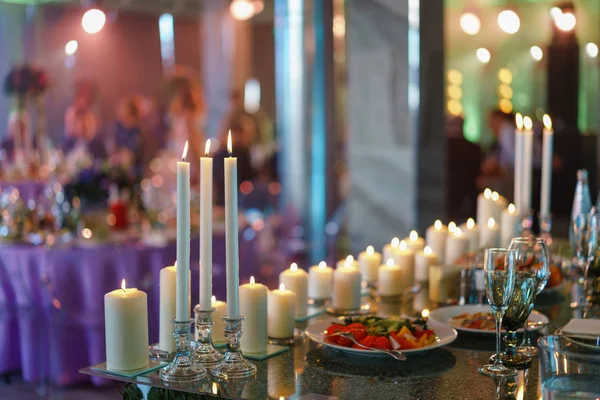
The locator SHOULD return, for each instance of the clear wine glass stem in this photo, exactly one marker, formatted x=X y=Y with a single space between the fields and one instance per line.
x=526 y=341
x=498 y=315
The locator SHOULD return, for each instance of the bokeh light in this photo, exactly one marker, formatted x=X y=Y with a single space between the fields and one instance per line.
x=536 y=53
x=470 y=23
x=592 y=50
x=71 y=47
x=93 y=20
x=509 y=21
x=483 y=55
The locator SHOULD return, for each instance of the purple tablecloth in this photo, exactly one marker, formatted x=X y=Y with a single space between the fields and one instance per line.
x=52 y=300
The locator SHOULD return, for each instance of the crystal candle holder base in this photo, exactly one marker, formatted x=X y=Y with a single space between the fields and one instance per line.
x=182 y=369
x=233 y=365
x=204 y=353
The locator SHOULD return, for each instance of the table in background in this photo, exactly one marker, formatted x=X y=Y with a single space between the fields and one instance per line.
x=52 y=299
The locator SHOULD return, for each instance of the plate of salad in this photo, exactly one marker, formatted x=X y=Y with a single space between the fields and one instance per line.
x=408 y=335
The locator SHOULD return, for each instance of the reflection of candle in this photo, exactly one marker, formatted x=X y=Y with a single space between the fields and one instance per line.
x=281 y=377
x=218 y=332
x=392 y=279
x=231 y=223
x=320 y=281
x=296 y=280
x=253 y=306
x=489 y=234
x=435 y=237
x=346 y=288
x=518 y=167
x=527 y=165
x=183 y=236
x=389 y=250
x=471 y=232
x=414 y=242
x=369 y=262
x=457 y=245
x=423 y=260
x=281 y=313
x=509 y=227
x=126 y=324
x=206 y=186
x=546 y=166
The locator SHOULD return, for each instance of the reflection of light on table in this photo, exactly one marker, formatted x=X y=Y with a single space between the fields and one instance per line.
x=281 y=380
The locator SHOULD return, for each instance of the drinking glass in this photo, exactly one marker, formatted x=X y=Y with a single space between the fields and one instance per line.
x=584 y=235
x=499 y=269
x=532 y=263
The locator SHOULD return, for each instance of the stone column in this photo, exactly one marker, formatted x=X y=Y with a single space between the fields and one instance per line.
x=395 y=148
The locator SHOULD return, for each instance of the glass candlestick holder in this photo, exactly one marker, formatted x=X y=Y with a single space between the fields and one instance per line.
x=204 y=354
x=233 y=365
x=182 y=369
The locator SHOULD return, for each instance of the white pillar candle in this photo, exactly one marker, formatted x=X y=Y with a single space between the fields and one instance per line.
x=346 y=288
x=218 y=331
x=471 y=231
x=390 y=249
x=518 y=166
x=183 y=236
x=349 y=261
x=368 y=262
x=435 y=237
x=509 y=226
x=489 y=234
x=444 y=282
x=485 y=207
x=423 y=260
x=281 y=313
x=547 y=166
x=253 y=306
x=405 y=259
x=231 y=223
x=126 y=325
x=414 y=242
x=206 y=186
x=167 y=301
x=320 y=281
x=527 y=165
x=457 y=245
x=296 y=280
x=392 y=279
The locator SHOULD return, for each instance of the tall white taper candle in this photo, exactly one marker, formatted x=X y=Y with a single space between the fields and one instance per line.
x=182 y=312
x=231 y=222
x=527 y=165
x=206 y=186
x=547 y=166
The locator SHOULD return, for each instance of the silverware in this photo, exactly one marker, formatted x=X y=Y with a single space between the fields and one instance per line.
x=397 y=354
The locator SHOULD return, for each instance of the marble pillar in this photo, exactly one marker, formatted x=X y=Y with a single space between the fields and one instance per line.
x=395 y=148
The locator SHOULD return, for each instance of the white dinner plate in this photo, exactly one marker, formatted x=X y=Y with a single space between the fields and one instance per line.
x=445 y=336
x=444 y=315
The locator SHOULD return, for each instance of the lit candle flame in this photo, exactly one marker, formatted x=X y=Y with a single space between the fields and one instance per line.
x=491 y=223
x=229 y=145
x=395 y=242
x=547 y=122
x=527 y=123
x=458 y=232
x=281 y=287
x=123 y=285
x=213 y=300
x=487 y=193
x=349 y=261
x=519 y=121
x=294 y=267
x=427 y=250
x=451 y=226
x=185 y=150
x=425 y=313
x=403 y=245
x=322 y=265
x=207 y=148
x=495 y=196
x=252 y=281
x=437 y=225
x=413 y=235
x=370 y=250
x=390 y=262
x=511 y=208
x=214 y=388
x=470 y=223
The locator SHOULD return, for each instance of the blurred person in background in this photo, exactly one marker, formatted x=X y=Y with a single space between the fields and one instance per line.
x=500 y=158
x=129 y=134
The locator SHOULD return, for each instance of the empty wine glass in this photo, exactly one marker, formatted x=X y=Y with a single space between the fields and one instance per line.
x=499 y=269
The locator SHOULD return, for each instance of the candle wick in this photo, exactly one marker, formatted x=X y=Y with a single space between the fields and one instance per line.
x=124 y=291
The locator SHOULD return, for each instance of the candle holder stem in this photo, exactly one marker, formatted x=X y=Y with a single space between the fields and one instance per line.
x=233 y=365
x=204 y=354
x=182 y=369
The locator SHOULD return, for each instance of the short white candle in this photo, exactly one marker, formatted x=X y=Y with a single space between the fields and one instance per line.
x=349 y=261
x=435 y=237
x=405 y=259
x=489 y=234
x=390 y=249
x=167 y=301
x=346 y=288
x=183 y=237
x=369 y=262
x=471 y=231
x=444 y=282
x=423 y=260
x=547 y=151
x=218 y=332
x=510 y=224
x=281 y=313
x=253 y=306
x=126 y=329
x=414 y=242
x=457 y=245
x=392 y=279
x=320 y=281
x=296 y=280
x=485 y=207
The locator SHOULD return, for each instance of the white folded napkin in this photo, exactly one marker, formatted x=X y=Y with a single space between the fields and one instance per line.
x=578 y=326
